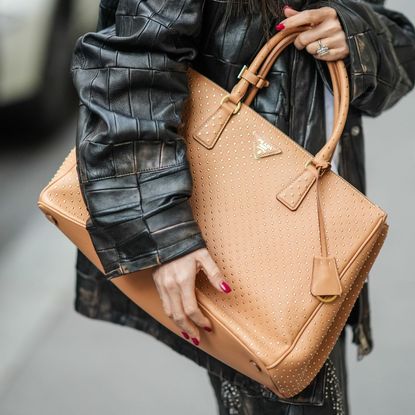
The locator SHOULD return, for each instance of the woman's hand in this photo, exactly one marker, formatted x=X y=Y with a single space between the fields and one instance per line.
x=324 y=26
x=175 y=282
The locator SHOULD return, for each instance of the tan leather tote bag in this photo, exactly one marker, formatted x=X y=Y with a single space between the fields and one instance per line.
x=295 y=240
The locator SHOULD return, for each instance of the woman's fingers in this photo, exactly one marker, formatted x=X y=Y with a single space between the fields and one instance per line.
x=212 y=271
x=180 y=316
x=324 y=26
x=333 y=55
x=170 y=295
x=175 y=282
x=333 y=42
x=338 y=48
x=309 y=17
x=164 y=296
x=289 y=11
x=191 y=307
x=327 y=29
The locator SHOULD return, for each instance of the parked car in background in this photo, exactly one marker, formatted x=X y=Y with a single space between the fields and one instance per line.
x=36 y=42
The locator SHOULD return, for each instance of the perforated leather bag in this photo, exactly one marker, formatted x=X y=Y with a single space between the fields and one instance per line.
x=295 y=240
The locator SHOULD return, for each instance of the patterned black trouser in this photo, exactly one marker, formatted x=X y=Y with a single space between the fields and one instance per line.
x=234 y=399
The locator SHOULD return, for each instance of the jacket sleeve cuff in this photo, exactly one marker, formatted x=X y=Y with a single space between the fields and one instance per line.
x=144 y=240
x=177 y=249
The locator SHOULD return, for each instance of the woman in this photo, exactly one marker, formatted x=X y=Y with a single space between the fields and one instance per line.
x=131 y=79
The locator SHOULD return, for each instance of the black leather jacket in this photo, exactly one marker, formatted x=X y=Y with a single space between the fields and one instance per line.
x=131 y=79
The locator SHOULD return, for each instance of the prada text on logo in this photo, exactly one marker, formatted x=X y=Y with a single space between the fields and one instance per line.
x=264 y=147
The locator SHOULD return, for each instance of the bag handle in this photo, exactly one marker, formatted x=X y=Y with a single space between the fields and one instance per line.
x=262 y=64
x=255 y=76
x=266 y=66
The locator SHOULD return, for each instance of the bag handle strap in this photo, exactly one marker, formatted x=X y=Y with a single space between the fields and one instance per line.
x=266 y=66
x=262 y=64
x=255 y=76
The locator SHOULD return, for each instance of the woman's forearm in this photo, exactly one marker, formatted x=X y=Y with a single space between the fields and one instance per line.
x=131 y=78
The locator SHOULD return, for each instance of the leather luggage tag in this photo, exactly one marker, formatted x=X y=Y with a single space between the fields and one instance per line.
x=325 y=277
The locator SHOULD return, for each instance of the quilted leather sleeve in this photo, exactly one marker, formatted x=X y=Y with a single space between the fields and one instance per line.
x=134 y=175
x=381 y=63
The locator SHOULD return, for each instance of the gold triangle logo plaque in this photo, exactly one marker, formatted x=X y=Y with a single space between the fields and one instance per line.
x=264 y=148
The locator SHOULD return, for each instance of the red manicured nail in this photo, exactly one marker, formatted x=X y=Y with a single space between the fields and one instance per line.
x=195 y=341
x=279 y=26
x=207 y=328
x=225 y=287
x=185 y=335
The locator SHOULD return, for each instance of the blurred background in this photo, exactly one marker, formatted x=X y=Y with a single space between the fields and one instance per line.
x=52 y=360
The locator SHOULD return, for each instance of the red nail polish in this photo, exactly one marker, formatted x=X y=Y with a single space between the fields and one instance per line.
x=185 y=335
x=279 y=26
x=207 y=328
x=225 y=287
x=195 y=341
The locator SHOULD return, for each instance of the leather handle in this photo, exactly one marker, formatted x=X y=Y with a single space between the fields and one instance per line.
x=263 y=62
x=267 y=65
x=254 y=76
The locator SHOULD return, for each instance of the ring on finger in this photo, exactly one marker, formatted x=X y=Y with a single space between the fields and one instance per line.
x=322 y=48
